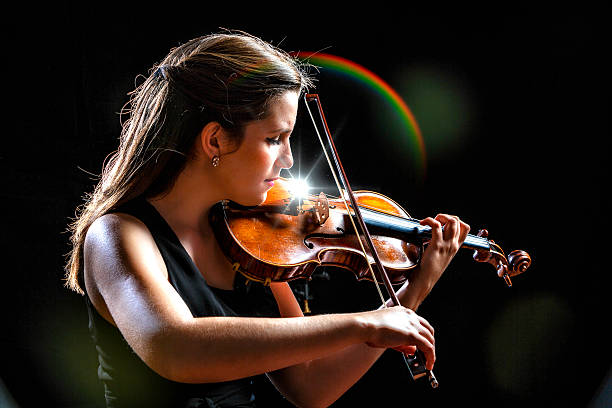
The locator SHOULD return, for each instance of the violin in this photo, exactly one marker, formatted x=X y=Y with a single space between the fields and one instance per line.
x=287 y=237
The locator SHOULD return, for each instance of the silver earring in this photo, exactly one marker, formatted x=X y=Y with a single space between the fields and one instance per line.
x=215 y=161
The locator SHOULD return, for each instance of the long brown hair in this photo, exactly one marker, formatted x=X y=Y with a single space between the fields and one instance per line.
x=229 y=78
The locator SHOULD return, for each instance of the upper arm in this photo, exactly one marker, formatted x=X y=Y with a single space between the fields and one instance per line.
x=127 y=282
x=288 y=305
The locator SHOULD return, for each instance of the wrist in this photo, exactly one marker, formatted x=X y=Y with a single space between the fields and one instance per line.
x=363 y=326
x=412 y=294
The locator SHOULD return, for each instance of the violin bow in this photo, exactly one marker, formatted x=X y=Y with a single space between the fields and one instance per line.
x=416 y=362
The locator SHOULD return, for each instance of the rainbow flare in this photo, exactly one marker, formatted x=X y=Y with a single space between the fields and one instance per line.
x=373 y=81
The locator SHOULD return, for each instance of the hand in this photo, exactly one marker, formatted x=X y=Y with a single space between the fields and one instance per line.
x=403 y=330
x=447 y=235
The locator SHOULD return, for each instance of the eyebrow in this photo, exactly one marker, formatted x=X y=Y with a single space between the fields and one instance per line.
x=282 y=130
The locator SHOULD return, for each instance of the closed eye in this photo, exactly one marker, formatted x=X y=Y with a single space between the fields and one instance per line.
x=274 y=140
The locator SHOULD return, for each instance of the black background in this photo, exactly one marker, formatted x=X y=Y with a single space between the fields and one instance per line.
x=514 y=113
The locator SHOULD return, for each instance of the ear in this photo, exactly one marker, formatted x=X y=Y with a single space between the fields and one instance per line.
x=211 y=137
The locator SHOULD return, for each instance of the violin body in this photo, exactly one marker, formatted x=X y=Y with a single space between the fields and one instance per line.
x=286 y=238
x=270 y=244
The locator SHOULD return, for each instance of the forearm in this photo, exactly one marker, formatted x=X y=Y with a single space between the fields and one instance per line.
x=322 y=381
x=412 y=294
x=448 y=234
x=214 y=349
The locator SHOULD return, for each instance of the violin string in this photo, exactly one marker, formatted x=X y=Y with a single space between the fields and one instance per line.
x=342 y=195
x=414 y=225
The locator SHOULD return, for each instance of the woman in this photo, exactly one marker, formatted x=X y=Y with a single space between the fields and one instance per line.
x=173 y=323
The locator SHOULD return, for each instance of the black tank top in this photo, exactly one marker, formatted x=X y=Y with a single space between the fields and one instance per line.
x=128 y=382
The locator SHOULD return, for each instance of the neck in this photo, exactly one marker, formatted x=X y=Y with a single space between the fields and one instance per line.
x=409 y=229
x=186 y=205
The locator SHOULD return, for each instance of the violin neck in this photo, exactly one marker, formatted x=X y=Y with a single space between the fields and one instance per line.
x=410 y=229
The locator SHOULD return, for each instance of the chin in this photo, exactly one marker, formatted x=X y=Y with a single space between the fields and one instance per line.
x=253 y=200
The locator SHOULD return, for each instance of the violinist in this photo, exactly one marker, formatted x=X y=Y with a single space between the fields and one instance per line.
x=173 y=324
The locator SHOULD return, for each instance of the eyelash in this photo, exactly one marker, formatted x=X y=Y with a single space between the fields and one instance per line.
x=274 y=141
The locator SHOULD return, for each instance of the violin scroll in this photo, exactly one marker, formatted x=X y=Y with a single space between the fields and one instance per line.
x=514 y=264
x=518 y=261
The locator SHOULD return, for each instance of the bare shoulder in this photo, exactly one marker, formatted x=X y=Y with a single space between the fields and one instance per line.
x=118 y=248
x=114 y=226
x=120 y=240
x=119 y=235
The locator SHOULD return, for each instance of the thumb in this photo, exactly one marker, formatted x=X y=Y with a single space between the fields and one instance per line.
x=408 y=350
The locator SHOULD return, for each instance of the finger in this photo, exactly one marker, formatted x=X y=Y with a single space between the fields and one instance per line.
x=436 y=228
x=465 y=230
x=451 y=226
x=409 y=350
x=444 y=218
x=457 y=235
x=463 y=226
x=428 y=350
x=423 y=331
x=427 y=325
x=424 y=328
x=452 y=230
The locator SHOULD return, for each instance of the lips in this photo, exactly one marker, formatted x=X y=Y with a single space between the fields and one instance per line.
x=272 y=179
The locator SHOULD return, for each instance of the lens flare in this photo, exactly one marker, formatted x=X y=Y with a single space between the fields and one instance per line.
x=373 y=81
x=298 y=188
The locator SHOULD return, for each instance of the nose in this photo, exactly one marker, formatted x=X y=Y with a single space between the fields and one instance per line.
x=285 y=160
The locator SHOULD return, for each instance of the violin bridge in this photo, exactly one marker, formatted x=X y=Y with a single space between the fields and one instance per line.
x=321 y=209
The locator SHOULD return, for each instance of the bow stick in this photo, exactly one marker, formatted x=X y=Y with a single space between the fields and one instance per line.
x=416 y=362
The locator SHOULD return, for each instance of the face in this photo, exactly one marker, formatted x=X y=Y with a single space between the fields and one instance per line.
x=250 y=171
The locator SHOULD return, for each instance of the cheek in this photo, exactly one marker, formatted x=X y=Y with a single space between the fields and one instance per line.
x=263 y=160
x=252 y=166
x=253 y=162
